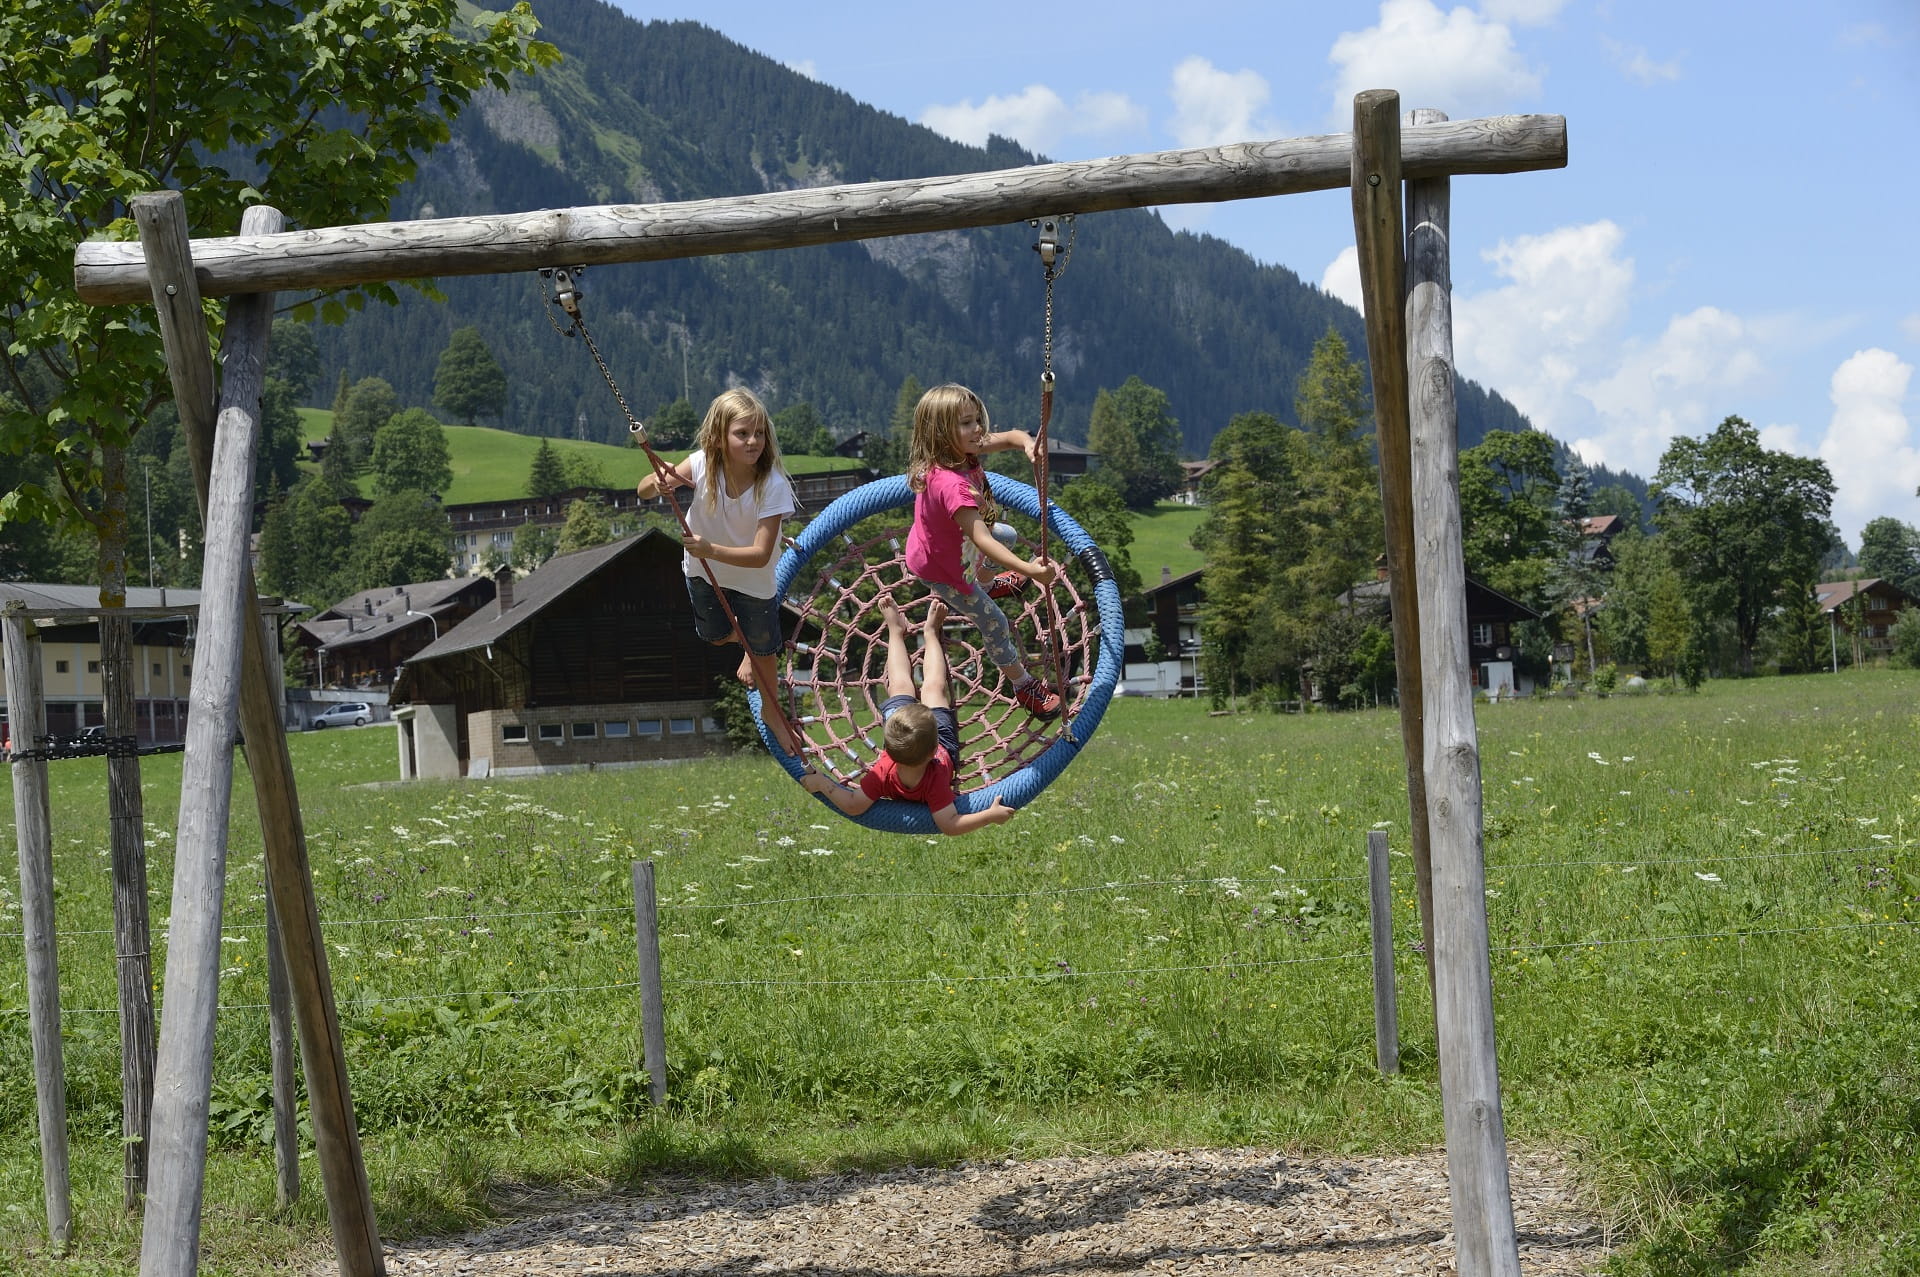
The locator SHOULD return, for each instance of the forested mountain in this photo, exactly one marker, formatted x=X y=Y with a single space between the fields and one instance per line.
x=645 y=112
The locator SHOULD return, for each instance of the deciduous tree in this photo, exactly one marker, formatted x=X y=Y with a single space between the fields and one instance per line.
x=469 y=382
x=410 y=454
x=1742 y=522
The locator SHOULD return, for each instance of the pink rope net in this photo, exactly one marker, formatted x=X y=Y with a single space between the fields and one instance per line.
x=836 y=683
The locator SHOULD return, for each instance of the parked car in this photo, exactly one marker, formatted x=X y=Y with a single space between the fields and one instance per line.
x=358 y=713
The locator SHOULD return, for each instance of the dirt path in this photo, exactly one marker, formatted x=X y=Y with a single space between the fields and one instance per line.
x=1231 y=1211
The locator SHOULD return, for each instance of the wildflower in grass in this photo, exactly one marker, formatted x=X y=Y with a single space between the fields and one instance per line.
x=818 y=851
x=1596 y=758
x=821 y=827
x=1706 y=877
x=1626 y=793
x=783 y=841
x=1115 y=838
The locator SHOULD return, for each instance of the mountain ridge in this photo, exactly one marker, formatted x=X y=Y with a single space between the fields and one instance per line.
x=651 y=112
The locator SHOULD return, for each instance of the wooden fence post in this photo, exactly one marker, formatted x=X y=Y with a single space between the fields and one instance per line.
x=1386 y=1007
x=1376 y=227
x=33 y=834
x=280 y=1044
x=170 y=1240
x=1484 y=1241
x=653 y=1020
x=167 y=253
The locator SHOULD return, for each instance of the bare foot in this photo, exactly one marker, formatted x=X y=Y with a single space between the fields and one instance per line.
x=936 y=615
x=745 y=672
x=890 y=612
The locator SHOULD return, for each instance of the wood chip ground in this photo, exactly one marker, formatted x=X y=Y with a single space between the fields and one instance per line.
x=1221 y=1211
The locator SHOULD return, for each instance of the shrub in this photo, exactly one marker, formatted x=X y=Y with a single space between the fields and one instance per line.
x=1606 y=678
x=1906 y=638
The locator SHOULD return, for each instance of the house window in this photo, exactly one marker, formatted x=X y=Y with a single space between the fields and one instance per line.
x=513 y=733
x=186 y=669
x=650 y=727
x=1482 y=634
x=156 y=667
x=680 y=726
x=59 y=667
x=1876 y=604
x=93 y=667
x=585 y=731
x=551 y=731
x=614 y=729
x=709 y=724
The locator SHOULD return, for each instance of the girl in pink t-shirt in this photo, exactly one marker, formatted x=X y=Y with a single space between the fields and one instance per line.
x=953 y=508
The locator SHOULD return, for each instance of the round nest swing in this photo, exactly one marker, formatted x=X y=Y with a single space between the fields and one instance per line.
x=833 y=676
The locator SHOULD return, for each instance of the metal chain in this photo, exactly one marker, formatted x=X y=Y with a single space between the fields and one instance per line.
x=566 y=297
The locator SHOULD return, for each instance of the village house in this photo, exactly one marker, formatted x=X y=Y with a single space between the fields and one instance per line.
x=1860 y=615
x=588 y=661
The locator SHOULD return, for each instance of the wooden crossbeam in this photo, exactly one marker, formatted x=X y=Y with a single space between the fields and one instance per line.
x=340 y=256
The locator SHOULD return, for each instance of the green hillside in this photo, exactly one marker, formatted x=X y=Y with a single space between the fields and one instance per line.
x=669 y=111
x=1161 y=538
x=490 y=465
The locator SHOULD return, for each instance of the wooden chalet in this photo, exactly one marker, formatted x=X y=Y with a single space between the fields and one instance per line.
x=591 y=660
x=361 y=642
x=1491 y=645
x=1879 y=604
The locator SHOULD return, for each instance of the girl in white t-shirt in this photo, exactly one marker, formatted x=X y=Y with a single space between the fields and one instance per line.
x=739 y=496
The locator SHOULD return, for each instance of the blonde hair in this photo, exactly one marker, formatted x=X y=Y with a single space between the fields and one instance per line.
x=911 y=735
x=936 y=439
x=728 y=407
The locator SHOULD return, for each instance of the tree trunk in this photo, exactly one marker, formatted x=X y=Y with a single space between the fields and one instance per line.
x=127 y=833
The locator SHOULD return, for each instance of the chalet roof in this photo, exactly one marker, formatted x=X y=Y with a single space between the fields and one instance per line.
x=539 y=588
x=373 y=615
x=1601 y=525
x=1834 y=594
x=1480 y=599
x=82 y=602
x=1174 y=583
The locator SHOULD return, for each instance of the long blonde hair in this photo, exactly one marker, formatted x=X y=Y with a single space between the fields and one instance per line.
x=728 y=407
x=936 y=439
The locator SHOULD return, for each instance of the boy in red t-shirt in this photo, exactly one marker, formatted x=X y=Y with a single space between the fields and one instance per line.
x=922 y=736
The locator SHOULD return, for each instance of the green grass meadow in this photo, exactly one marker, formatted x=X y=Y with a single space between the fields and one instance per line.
x=490 y=465
x=1706 y=986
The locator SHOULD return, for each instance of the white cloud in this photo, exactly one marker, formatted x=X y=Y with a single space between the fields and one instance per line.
x=1638 y=65
x=1212 y=107
x=1342 y=278
x=1684 y=382
x=1522 y=13
x=1036 y=117
x=1537 y=337
x=1870 y=445
x=811 y=69
x=1459 y=61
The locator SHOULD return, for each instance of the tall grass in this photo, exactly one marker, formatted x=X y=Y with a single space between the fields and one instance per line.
x=1703 y=977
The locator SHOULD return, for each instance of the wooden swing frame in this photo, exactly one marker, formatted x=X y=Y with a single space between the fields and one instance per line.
x=1406 y=285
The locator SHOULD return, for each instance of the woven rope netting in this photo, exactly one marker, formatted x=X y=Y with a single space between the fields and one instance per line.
x=834 y=676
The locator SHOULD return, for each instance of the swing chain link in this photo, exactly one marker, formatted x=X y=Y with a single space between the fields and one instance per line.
x=1053 y=257
x=565 y=296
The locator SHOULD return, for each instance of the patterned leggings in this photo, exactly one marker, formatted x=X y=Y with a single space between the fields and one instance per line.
x=996 y=635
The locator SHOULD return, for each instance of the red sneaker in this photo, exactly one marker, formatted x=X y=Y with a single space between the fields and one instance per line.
x=1006 y=585
x=1039 y=700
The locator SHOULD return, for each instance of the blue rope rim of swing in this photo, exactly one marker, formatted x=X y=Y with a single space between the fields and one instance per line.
x=1024 y=785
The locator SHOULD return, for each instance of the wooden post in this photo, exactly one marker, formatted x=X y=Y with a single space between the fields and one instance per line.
x=170 y=1240
x=286 y=1117
x=1376 y=224
x=176 y=297
x=1386 y=1007
x=33 y=835
x=332 y=256
x=1484 y=1240
x=653 y=1020
x=133 y=946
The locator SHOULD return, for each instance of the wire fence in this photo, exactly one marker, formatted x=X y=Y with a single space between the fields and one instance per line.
x=1234 y=886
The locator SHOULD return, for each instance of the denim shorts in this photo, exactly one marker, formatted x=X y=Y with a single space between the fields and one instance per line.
x=759 y=618
x=946 y=724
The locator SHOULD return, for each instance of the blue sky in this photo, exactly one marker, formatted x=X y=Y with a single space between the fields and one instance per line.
x=1733 y=233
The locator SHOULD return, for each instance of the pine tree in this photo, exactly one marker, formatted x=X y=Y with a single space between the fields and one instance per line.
x=547 y=477
x=469 y=383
